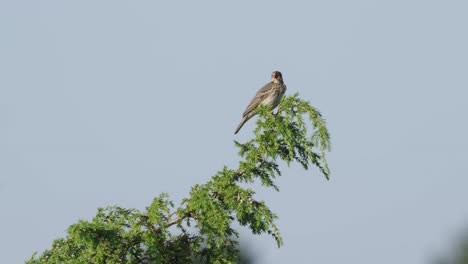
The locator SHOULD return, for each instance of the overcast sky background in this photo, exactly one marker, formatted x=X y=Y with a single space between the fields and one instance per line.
x=114 y=102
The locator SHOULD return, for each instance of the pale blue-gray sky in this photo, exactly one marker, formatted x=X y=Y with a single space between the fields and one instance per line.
x=114 y=102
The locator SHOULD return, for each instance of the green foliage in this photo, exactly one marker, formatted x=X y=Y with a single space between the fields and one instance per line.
x=200 y=229
x=458 y=253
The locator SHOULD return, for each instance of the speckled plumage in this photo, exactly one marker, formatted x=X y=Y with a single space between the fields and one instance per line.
x=270 y=94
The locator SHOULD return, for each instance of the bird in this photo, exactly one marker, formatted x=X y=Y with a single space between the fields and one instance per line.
x=270 y=95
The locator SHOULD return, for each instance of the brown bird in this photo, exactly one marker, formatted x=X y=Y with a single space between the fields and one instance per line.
x=270 y=95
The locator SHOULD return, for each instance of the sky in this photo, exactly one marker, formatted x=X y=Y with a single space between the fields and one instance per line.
x=113 y=102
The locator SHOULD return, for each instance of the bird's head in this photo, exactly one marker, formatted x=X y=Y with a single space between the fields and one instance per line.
x=277 y=77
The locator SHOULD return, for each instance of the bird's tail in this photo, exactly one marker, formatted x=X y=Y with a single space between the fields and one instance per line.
x=244 y=119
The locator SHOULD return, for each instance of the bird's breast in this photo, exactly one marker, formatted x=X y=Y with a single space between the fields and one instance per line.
x=270 y=99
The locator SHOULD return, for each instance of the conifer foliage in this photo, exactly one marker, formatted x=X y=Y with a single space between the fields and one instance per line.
x=200 y=229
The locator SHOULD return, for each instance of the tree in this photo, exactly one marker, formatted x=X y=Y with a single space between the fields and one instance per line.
x=200 y=230
x=458 y=253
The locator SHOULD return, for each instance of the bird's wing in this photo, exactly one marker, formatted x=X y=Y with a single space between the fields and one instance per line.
x=263 y=93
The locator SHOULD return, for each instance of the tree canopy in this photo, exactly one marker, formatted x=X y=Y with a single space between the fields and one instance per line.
x=200 y=229
x=458 y=253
